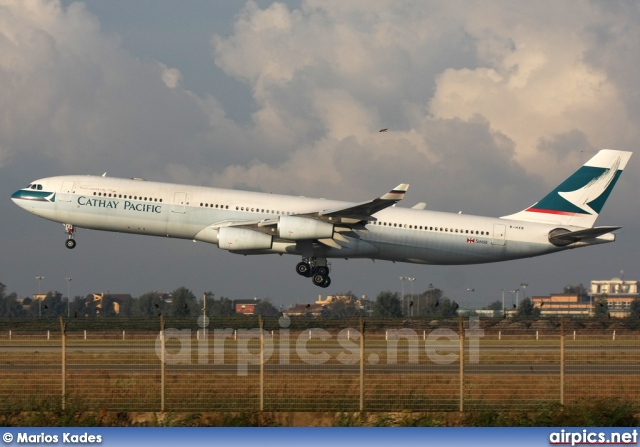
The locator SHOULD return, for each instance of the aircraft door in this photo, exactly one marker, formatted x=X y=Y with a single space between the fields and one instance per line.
x=499 y=231
x=65 y=192
x=179 y=202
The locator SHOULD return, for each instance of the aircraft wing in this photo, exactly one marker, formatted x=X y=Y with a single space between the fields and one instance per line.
x=569 y=237
x=348 y=215
x=344 y=220
x=364 y=210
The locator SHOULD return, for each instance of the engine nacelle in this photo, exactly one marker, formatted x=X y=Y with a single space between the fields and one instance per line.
x=230 y=238
x=559 y=242
x=301 y=228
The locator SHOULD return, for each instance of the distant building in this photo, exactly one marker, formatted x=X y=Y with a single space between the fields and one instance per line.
x=618 y=293
x=304 y=310
x=569 y=304
x=362 y=303
x=97 y=300
x=614 y=286
x=165 y=297
x=315 y=310
x=245 y=307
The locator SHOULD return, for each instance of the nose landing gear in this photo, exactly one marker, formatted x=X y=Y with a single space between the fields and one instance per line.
x=315 y=268
x=70 y=243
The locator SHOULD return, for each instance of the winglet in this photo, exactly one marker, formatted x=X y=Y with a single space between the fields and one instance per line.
x=396 y=193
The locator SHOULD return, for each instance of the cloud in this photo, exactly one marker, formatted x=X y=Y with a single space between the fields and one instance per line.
x=329 y=71
x=72 y=94
x=458 y=85
x=171 y=77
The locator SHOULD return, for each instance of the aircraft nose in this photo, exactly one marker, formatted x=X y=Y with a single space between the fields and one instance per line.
x=20 y=198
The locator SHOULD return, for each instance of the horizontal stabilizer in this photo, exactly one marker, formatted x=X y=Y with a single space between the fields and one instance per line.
x=561 y=237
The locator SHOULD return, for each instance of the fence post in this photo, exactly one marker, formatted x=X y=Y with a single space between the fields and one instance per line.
x=63 y=329
x=361 y=365
x=461 y=365
x=261 y=324
x=162 y=363
x=561 y=360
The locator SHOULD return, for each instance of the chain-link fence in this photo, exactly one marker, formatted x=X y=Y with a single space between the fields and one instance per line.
x=281 y=364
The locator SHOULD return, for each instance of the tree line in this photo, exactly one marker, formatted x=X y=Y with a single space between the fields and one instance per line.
x=182 y=303
x=432 y=303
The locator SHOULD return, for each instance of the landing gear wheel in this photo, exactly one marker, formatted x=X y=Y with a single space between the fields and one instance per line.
x=319 y=279
x=70 y=230
x=327 y=283
x=304 y=269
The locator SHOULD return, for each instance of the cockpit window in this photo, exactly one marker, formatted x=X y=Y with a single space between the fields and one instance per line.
x=34 y=186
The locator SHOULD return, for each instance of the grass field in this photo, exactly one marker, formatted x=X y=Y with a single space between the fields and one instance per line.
x=305 y=372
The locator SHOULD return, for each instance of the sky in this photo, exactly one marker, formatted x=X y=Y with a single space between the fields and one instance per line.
x=489 y=105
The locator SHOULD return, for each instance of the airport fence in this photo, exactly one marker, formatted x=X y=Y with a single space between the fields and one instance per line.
x=290 y=365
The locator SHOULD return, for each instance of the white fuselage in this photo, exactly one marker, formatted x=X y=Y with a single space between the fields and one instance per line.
x=191 y=212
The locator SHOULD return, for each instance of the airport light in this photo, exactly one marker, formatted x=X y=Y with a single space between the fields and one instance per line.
x=411 y=280
x=39 y=278
x=402 y=278
x=68 y=296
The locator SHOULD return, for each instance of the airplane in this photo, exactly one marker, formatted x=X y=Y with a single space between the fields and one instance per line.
x=251 y=223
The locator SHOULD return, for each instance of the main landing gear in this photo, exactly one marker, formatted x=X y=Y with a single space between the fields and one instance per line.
x=70 y=243
x=316 y=269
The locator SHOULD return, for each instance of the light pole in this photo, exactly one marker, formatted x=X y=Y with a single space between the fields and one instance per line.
x=503 y=314
x=524 y=290
x=39 y=278
x=68 y=296
x=512 y=292
x=411 y=280
x=402 y=278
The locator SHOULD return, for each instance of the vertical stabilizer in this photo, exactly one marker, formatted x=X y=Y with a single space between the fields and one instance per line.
x=579 y=199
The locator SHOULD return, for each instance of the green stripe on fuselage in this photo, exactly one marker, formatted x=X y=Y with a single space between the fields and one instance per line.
x=38 y=196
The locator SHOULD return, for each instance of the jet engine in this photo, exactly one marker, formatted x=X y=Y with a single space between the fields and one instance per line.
x=301 y=228
x=230 y=238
